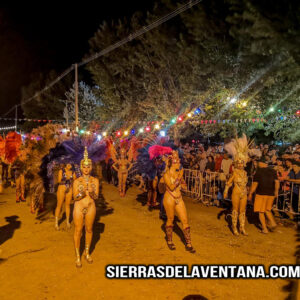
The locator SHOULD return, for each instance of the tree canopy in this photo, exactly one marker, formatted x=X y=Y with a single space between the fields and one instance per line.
x=232 y=59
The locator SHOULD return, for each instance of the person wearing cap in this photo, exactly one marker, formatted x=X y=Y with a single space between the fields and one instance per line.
x=266 y=185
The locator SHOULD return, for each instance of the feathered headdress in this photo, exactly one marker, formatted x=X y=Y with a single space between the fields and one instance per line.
x=86 y=161
x=147 y=162
x=238 y=148
x=158 y=150
x=13 y=142
x=73 y=152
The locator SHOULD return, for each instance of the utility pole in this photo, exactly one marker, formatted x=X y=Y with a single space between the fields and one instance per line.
x=67 y=115
x=66 y=112
x=76 y=97
x=16 y=118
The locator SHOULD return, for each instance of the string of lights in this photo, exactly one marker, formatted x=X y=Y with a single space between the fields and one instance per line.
x=162 y=128
x=7 y=128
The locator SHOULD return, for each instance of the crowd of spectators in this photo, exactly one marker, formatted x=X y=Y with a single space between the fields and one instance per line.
x=286 y=163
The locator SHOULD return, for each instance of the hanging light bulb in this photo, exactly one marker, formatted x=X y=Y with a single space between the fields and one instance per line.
x=162 y=133
x=157 y=126
x=141 y=130
x=189 y=115
x=233 y=100
x=104 y=133
x=148 y=128
x=126 y=133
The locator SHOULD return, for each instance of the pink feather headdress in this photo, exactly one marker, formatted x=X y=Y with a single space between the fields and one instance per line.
x=157 y=150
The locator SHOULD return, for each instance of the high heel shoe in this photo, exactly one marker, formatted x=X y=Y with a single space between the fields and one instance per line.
x=87 y=255
x=169 y=231
x=68 y=225
x=56 y=223
x=242 y=218
x=187 y=236
x=234 y=222
x=78 y=261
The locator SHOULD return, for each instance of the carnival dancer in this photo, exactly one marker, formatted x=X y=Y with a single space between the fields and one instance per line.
x=173 y=201
x=123 y=164
x=238 y=148
x=85 y=192
x=66 y=176
x=18 y=167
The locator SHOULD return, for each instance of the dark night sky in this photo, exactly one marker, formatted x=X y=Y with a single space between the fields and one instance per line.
x=49 y=36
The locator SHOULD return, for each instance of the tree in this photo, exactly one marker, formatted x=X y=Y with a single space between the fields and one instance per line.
x=230 y=58
x=88 y=104
x=47 y=105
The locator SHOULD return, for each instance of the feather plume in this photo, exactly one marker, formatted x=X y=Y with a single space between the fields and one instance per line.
x=157 y=150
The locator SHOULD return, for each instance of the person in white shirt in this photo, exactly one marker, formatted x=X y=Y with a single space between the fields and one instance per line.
x=226 y=164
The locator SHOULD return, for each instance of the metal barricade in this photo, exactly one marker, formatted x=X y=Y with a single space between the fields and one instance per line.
x=203 y=186
x=211 y=186
x=194 y=181
x=208 y=187
x=288 y=200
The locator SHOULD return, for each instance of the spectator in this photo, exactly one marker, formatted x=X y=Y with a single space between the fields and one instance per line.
x=203 y=162
x=266 y=185
x=210 y=163
x=226 y=164
x=289 y=165
x=218 y=161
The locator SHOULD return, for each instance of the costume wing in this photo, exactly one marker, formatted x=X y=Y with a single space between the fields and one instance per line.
x=133 y=150
x=2 y=147
x=13 y=142
x=112 y=151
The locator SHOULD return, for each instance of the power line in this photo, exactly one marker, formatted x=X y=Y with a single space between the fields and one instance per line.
x=110 y=48
x=65 y=73
x=141 y=31
x=8 y=111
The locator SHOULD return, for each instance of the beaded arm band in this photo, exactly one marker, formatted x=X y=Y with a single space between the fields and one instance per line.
x=93 y=195
x=80 y=196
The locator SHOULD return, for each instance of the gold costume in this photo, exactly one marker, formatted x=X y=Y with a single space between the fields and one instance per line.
x=238 y=148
